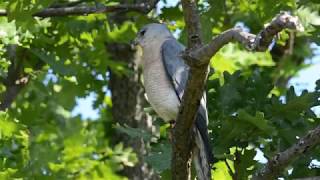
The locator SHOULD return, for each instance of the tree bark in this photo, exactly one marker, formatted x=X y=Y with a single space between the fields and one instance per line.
x=127 y=108
x=281 y=160
x=85 y=10
x=183 y=141
x=15 y=79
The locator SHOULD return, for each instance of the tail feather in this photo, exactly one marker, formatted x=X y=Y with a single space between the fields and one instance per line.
x=202 y=153
x=201 y=160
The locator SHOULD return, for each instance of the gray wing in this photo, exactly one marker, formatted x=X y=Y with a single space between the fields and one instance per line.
x=176 y=69
x=177 y=72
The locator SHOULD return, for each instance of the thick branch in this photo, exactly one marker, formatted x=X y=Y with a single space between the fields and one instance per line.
x=182 y=133
x=277 y=163
x=16 y=78
x=193 y=25
x=12 y=83
x=252 y=42
x=10 y=94
x=85 y=10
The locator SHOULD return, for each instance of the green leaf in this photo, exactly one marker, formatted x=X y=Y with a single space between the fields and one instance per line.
x=160 y=157
x=7 y=126
x=134 y=132
x=123 y=34
x=221 y=171
x=258 y=121
x=8 y=32
x=54 y=62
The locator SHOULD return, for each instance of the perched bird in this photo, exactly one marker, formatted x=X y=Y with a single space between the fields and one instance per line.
x=165 y=76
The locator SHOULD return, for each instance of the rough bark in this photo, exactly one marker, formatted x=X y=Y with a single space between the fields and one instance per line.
x=143 y=7
x=277 y=163
x=85 y=10
x=182 y=141
x=14 y=81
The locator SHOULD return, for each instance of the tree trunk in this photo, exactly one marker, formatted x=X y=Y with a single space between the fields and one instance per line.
x=127 y=108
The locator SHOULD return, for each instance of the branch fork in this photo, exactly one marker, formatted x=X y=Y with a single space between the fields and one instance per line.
x=198 y=57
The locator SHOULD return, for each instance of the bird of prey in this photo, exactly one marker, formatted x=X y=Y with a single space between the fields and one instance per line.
x=165 y=76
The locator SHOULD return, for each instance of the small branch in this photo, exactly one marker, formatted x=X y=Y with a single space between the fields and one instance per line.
x=252 y=42
x=230 y=169
x=277 y=163
x=85 y=10
x=193 y=25
x=236 y=163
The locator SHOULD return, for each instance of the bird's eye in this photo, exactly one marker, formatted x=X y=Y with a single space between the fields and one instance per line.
x=142 y=32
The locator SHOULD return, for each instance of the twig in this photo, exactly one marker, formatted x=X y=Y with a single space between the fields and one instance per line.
x=85 y=10
x=236 y=164
x=277 y=163
x=229 y=169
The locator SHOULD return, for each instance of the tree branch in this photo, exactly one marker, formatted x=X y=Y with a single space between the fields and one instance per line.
x=232 y=174
x=11 y=82
x=198 y=56
x=16 y=78
x=193 y=25
x=277 y=163
x=85 y=10
x=182 y=140
x=252 y=42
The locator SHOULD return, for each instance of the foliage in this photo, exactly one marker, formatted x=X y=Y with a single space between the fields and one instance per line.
x=250 y=106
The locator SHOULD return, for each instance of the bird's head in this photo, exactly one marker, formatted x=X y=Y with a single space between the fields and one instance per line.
x=150 y=33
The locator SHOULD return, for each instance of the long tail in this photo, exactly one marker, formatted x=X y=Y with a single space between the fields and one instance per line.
x=202 y=153
x=201 y=159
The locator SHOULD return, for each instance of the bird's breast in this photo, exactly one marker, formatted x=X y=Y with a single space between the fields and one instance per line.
x=159 y=89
